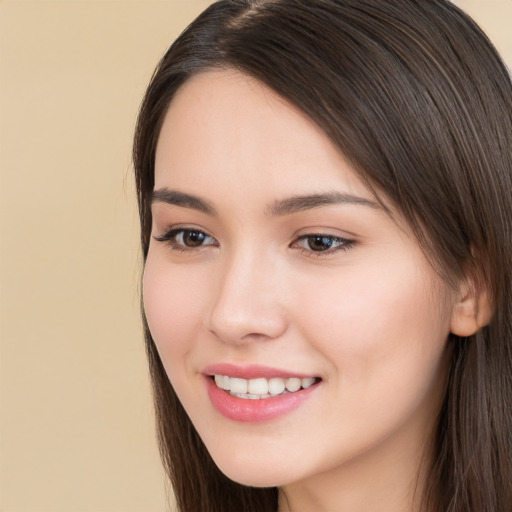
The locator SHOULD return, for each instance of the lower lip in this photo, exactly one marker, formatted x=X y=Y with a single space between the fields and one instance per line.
x=255 y=411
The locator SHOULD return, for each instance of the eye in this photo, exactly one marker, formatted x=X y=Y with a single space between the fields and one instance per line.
x=322 y=243
x=186 y=239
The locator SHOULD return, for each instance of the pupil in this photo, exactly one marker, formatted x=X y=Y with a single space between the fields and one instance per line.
x=320 y=243
x=193 y=238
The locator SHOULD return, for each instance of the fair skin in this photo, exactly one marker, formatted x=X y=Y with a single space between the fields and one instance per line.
x=331 y=287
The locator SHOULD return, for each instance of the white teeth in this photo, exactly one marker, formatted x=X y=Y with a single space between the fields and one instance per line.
x=257 y=387
x=276 y=386
x=261 y=388
x=308 y=382
x=293 y=384
x=238 y=386
x=222 y=382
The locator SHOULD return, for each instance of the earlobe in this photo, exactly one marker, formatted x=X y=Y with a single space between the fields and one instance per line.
x=472 y=311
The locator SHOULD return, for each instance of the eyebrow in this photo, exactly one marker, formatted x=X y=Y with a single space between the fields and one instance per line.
x=278 y=208
x=164 y=195
x=308 y=202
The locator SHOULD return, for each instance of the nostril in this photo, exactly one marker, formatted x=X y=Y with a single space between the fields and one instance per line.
x=233 y=334
x=246 y=308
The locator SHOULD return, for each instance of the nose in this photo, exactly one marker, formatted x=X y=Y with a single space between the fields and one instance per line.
x=249 y=302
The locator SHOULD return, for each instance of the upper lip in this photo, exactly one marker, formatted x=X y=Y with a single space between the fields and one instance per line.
x=251 y=371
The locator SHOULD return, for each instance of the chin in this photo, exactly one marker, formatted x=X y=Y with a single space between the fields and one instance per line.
x=254 y=474
x=256 y=479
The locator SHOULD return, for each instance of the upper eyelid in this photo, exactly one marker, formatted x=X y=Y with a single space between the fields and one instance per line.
x=324 y=231
x=345 y=240
x=183 y=227
x=321 y=233
x=180 y=229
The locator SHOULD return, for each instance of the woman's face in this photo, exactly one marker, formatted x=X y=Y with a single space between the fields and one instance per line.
x=271 y=265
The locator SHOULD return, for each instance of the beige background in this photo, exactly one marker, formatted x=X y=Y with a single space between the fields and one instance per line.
x=76 y=424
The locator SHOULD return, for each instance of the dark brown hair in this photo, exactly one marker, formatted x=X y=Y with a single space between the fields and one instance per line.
x=416 y=97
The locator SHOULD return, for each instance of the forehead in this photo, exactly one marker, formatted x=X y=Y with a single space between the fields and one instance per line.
x=226 y=125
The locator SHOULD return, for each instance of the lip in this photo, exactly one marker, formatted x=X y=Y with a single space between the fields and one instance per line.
x=258 y=410
x=253 y=371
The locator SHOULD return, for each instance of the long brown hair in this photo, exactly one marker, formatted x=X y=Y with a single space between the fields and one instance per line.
x=416 y=97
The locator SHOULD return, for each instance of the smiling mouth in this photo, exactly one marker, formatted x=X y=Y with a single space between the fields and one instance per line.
x=261 y=388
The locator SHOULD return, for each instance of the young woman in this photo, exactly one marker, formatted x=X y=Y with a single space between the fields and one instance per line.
x=325 y=189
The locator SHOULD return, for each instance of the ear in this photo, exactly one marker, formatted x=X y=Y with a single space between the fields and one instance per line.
x=473 y=309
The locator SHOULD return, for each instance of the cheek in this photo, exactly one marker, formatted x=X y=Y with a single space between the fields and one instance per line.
x=172 y=304
x=384 y=339
x=387 y=325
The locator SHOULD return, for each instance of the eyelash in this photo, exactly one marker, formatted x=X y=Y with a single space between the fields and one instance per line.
x=169 y=238
x=341 y=244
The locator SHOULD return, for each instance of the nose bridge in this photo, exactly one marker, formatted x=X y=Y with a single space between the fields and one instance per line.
x=247 y=304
